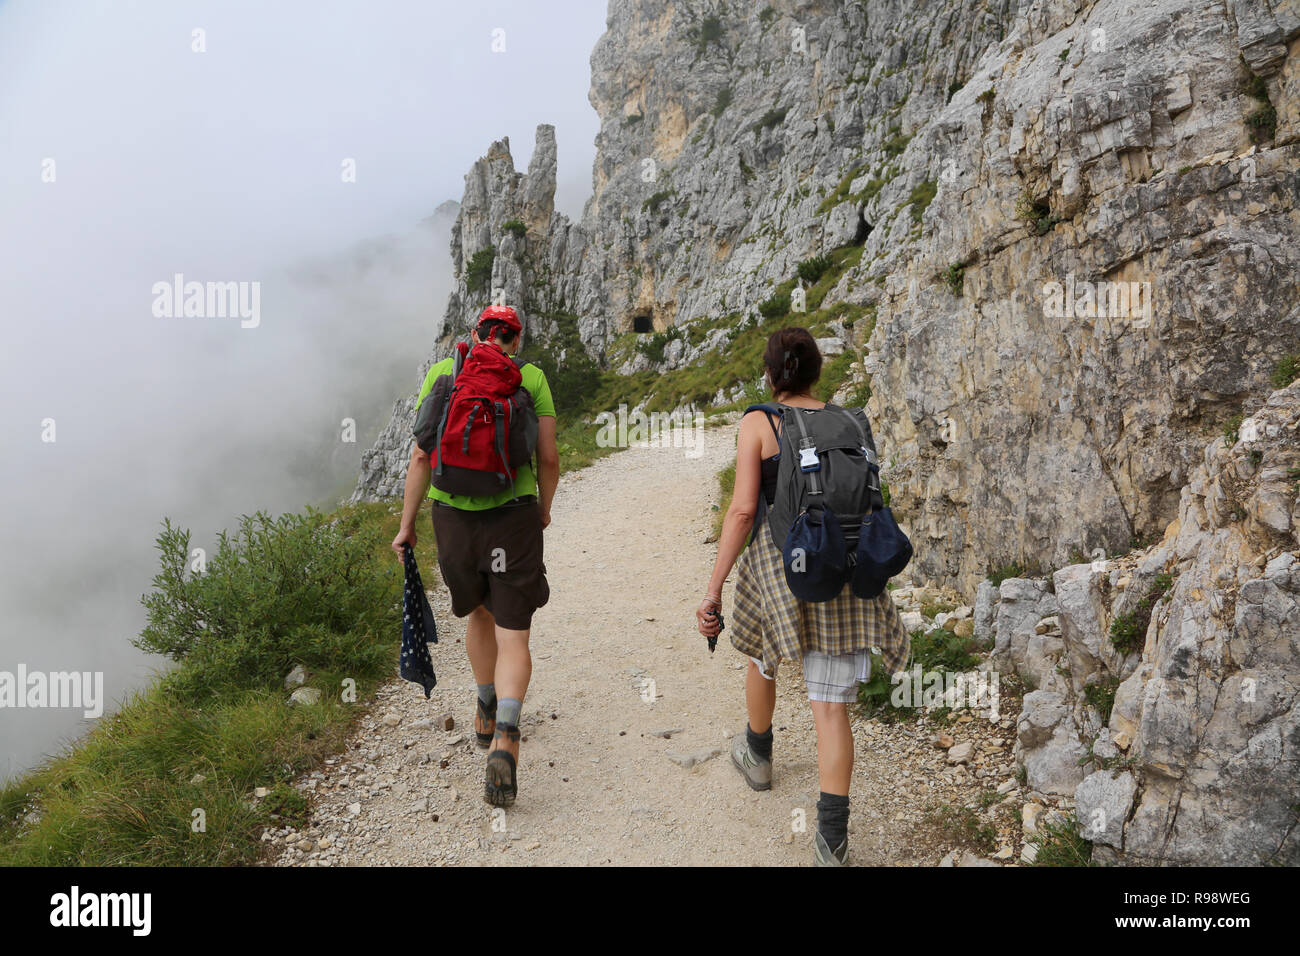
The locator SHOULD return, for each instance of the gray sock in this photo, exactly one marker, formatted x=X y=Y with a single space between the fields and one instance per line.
x=508 y=709
x=487 y=693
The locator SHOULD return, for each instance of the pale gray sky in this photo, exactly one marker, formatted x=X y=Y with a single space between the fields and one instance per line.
x=225 y=165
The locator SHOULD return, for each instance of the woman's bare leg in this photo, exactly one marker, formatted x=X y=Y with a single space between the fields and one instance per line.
x=834 y=746
x=760 y=699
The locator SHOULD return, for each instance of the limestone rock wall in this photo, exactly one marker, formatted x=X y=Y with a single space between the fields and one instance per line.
x=1198 y=760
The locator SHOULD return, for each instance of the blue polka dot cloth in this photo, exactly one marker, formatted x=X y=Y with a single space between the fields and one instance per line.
x=418 y=627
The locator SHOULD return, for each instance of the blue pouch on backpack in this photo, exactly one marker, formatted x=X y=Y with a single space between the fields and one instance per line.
x=814 y=568
x=882 y=552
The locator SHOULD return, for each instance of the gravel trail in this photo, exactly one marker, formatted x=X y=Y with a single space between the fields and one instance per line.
x=617 y=663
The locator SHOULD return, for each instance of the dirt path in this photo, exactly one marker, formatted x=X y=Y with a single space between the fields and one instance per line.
x=627 y=562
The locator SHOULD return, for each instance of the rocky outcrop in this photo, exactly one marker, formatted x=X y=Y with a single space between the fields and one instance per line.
x=1196 y=641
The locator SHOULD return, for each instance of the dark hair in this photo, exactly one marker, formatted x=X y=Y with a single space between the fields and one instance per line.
x=490 y=327
x=793 y=360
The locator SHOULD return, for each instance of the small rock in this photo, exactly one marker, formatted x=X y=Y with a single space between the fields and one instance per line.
x=295 y=678
x=447 y=722
x=533 y=846
x=687 y=761
x=391 y=719
x=354 y=809
x=305 y=695
x=944 y=741
x=960 y=753
x=262 y=792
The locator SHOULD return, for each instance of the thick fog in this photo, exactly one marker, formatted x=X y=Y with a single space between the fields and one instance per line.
x=301 y=146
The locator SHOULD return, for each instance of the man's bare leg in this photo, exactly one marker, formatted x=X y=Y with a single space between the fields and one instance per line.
x=481 y=646
x=514 y=669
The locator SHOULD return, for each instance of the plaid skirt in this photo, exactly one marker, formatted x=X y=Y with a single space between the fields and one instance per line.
x=770 y=624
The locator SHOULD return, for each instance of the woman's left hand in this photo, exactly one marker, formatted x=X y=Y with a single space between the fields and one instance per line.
x=708 y=623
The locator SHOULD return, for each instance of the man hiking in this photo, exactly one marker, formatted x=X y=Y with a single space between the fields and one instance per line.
x=486 y=415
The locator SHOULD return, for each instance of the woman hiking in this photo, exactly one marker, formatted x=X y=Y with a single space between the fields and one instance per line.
x=833 y=638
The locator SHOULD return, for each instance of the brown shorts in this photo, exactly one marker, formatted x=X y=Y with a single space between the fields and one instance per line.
x=493 y=558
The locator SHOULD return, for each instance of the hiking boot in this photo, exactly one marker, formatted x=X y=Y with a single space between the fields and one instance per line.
x=756 y=771
x=501 y=785
x=823 y=855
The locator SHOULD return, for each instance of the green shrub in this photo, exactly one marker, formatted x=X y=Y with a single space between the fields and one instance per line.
x=652 y=346
x=297 y=589
x=1102 y=696
x=1128 y=631
x=652 y=203
x=771 y=118
x=1036 y=212
x=1013 y=570
x=515 y=226
x=710 y=32
x=810 y=270
x=954 y=277
x=941 y=650
x=286 y=806
x=895 y=145
x=723 y=101
x=778 y=305
x=1061 y=845
x=841 y=192
x=965 y=827
x=986 y=96
x=1231 y=428
x=920 y=198
x=1262 y=123
x=933 y=609
x=478 y=273
x=1286 y=371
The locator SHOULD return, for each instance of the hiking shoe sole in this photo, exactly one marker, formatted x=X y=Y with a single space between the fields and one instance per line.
x=502 y=784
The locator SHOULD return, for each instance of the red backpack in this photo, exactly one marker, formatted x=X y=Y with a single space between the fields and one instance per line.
x=477 y=424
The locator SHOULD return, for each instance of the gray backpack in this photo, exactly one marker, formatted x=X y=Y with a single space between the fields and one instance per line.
x=828 y=517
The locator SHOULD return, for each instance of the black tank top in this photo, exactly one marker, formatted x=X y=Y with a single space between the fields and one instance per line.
x=768 y=467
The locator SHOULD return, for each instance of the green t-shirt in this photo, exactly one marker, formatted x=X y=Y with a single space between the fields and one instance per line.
x=525 y=480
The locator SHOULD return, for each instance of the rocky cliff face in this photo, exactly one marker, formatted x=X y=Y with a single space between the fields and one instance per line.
x=1166 y=705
